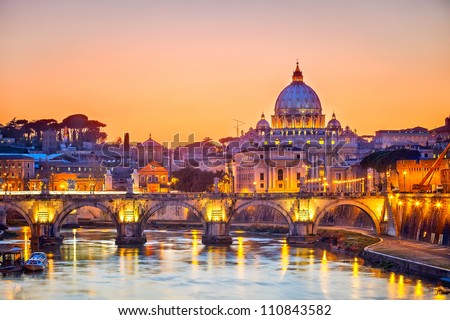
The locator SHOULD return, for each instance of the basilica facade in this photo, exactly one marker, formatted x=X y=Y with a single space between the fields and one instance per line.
x=297 y=150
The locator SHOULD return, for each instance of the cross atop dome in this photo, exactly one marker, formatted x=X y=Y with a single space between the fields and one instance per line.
x=297 y=76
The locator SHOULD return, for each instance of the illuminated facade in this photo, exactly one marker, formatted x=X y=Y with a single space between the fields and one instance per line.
x=411 y=136
x=15 y=172
x=410 y=172
x=153 y=178
x=298 y=147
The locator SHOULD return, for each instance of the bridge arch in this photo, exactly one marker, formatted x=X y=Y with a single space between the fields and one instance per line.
x=373 y=216
x=76 y=205
x=277 y=207
x=23 y=213
x=161 y=204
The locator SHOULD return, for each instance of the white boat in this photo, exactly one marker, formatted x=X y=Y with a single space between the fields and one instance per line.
x=38 y=261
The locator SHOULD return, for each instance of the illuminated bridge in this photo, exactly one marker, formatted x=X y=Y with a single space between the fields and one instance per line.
x=46 y=211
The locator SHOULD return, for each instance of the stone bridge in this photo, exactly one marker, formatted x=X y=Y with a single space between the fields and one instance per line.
x=45 y=212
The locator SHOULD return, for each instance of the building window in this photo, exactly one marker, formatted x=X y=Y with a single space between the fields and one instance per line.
x=261 y=176
x=156 y=178
x=298 y=175
x=149 y=179
x=280 y=174
x=261 y=185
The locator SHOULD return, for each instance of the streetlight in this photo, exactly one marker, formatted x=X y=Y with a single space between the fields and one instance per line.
x=404 y=180
x=254 y=186
x=325 y=185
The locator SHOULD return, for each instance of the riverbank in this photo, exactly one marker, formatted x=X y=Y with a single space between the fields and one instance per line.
x=390 y=254
x=344 y=241
x=410 y=256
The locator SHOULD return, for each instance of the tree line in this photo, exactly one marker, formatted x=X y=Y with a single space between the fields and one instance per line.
x=75 y=129
x=195 y=180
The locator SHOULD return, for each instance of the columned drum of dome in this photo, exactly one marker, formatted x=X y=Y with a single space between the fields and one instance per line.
x=298 y=106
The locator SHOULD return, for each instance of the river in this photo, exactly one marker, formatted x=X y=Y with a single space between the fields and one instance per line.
x=175 y=265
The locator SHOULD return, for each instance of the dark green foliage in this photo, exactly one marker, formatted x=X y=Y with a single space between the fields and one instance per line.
x=195 y=180
x=78 y=127
x=385 y=160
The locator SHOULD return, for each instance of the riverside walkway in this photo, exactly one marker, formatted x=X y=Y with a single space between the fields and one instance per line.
x=422 y=252
x=409 y=255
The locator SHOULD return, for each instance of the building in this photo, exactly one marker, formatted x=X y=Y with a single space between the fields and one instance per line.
x=151 y=150
x=153 y=178
x=445 y=180
x=15 y=172
x=297 y=136
x=410 y=172
x=444 y=131
x=49 y=142
x=206 y=155
x=261 y=170
x=403 y=137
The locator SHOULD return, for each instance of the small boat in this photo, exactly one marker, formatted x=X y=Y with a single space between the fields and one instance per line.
x=37 y=262
x=11 y=260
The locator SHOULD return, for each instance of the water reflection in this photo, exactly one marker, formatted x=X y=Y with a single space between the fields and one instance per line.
x=356 y=282
x=324 y=273
x=176 y=265
x=284 y=258
x=240 y=258
x=418 y=290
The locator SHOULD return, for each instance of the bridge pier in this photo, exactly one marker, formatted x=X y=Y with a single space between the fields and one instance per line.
x=130 y=234
x=44 y=235
x=216 y=233
x=3 y=225
x=300 y=233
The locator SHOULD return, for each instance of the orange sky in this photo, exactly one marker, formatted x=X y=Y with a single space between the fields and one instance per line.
x=193 y=66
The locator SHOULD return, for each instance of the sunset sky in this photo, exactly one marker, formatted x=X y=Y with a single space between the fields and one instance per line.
x=178 y=66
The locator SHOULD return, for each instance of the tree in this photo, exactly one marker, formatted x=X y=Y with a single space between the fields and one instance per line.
x=195 y=180
x=386 y=160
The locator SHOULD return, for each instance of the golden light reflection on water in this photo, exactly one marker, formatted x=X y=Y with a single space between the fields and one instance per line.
x=128 y=261
x=245 y=259
x=324 y=257
x=284 y=257
x=418 y=289
x=396 y=287
x=26 y=243
x=355 y=267
x=401 y=286
x=440 y=296
x=392 y=286
x=195 y=250
x=356 y=282
x=240 y=258
x=74 y=246
x=324 y=272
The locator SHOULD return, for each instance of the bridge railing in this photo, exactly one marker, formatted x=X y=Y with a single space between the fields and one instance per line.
x=194 y=195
